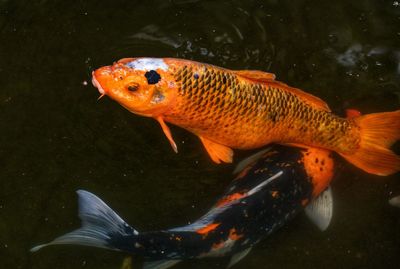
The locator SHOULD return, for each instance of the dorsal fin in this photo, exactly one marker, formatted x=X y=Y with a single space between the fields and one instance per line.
x=264 y=77
x=256 y=75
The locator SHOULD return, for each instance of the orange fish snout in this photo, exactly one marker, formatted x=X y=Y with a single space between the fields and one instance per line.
x=100 y=78
x=97 y=85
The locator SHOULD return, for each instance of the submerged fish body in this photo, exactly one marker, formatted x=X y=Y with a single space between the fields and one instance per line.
x=244 y=110
x=268 y=191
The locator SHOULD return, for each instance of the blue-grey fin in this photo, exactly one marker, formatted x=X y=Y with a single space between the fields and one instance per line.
x=321 y=209
x=99 y=225
x=245 y=162
x=161 y=264
x=238 y=257
x=395 y=201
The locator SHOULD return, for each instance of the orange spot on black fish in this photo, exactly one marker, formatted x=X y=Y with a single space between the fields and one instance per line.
x=217 y=245
x=210 y=227
x=233 y=235
x=321 y=171
x=275 y=194
x=230 y=198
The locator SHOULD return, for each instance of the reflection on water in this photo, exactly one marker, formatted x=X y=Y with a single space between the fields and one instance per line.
x=56 y=138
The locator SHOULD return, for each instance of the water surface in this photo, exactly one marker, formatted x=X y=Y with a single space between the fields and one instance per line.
x=56 y=138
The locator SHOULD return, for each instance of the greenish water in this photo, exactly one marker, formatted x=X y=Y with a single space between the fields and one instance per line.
x=56 y=138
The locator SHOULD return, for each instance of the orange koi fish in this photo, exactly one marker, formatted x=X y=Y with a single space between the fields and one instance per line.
x=244 y=110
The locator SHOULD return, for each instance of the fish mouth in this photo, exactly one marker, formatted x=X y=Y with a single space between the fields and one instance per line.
x=97 y=84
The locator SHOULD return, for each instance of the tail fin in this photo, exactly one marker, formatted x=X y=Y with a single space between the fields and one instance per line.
x=379 y=131
x=101 y=226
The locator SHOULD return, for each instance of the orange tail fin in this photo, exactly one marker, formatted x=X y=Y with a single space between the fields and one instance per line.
x=379 y=131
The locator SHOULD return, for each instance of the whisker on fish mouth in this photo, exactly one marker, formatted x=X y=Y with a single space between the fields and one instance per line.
x=101 y=96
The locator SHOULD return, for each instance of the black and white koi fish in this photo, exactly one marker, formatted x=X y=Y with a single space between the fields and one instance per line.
x=269 y=189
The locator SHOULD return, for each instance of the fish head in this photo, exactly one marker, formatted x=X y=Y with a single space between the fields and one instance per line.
x=144 y=86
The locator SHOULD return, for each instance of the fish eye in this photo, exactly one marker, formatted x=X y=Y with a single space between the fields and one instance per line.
x=132 y=87
x=152 y=77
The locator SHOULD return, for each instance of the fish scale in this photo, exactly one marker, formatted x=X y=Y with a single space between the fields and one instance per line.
x=207 y=100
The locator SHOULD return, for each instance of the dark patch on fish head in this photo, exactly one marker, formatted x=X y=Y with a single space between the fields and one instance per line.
x=152 y=77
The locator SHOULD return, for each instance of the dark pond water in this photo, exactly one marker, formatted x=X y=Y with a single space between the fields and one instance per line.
x=56 y=138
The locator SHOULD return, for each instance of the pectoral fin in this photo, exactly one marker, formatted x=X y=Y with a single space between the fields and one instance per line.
x=238 y=257
x=395 y=201
x=218 y=153
x=167 y=133
x=251 y=159
x=321 y=209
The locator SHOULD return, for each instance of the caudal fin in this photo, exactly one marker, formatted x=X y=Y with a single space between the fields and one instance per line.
x=101 y=226
x=379 y=131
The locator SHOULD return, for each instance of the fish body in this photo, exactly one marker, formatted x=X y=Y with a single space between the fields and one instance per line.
x=266 y=193
x=244 y=110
